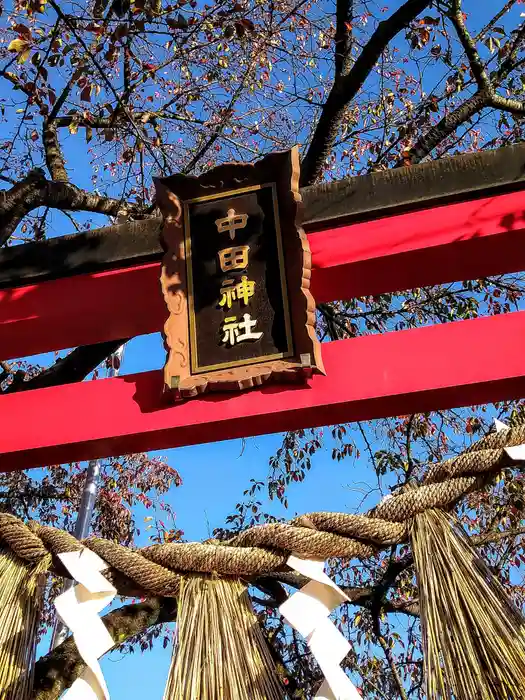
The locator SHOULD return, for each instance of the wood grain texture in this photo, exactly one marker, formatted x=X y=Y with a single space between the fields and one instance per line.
x=283 y=170
x=390 y=192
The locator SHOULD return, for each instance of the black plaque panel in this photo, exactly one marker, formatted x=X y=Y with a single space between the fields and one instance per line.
x=232 y=239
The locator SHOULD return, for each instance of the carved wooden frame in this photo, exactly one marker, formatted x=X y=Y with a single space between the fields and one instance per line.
x=282 y=170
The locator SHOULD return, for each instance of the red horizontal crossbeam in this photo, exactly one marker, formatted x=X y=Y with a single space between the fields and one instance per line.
x=445 y=244
x=436 y=367
x=453 y=242
x=81 y=310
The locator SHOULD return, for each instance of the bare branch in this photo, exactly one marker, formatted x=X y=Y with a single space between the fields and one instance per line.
x=445 y=127
x=390 y=660
x=54 y=159
x=346 y=87
x=495 y=20
x=35 y=191
x=73 y=368
x=469 y=46
x=343 y=33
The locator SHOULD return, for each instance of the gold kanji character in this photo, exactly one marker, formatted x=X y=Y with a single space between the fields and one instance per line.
x=235 y=258
x=228 y=293
x=245 y=289
x=231 y=329
x=231 y=223
x=242 y=291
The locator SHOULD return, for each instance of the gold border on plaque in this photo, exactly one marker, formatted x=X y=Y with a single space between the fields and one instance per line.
x=194 y=364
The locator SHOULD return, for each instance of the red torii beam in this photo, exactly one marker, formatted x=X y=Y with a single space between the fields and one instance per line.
x=439 y=245
x=390 y=374
x=449 y=365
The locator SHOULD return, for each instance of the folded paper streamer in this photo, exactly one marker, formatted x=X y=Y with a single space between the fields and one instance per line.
x=79 y=609
x=517 y=453
x=308 y=612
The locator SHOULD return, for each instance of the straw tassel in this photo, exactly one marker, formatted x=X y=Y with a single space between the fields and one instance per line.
x=220 y=653
x=21 y=589
x=473 y=636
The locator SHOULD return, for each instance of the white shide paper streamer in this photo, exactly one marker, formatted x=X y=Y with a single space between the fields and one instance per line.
x=308 y=612
x=516 y=453
x=79 y=609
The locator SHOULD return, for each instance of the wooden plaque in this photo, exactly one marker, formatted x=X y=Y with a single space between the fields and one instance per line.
x=236 y=278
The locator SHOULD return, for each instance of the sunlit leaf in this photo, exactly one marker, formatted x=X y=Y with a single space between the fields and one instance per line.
x=18 y=46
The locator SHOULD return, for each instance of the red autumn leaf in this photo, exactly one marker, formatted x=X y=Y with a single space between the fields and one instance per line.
x=85 y=94
x=247 y=24
x=24 y=31
x=424 y=35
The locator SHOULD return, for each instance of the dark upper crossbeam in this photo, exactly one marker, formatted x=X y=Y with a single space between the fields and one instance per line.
x=358 y=198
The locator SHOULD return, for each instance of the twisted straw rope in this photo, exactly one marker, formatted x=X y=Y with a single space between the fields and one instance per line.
x=265 y=548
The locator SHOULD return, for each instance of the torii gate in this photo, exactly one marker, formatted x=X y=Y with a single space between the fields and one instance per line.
x=454 y=219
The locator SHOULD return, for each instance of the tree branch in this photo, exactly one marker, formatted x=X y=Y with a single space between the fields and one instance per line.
x=15 y=203
x=507 y=104
x=390 y=660
x=469 y=46
x=92 y=57
x=491 y=536
x=346 y=87
x=495 y=19
x=52 y=150
x=344 y=15
x=486 y=95
x=509 y=63
x=222 y=124
x=371 y=597
x=54 y=159
x=445 y=127
x=57 y=671
x=73 y=368
x=36 y=191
